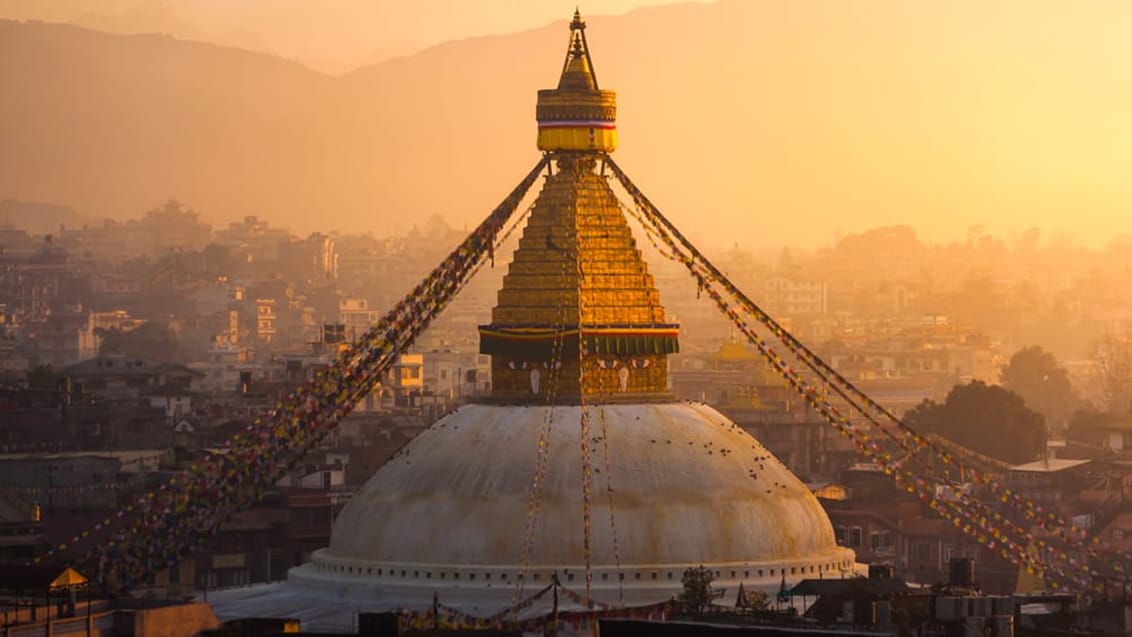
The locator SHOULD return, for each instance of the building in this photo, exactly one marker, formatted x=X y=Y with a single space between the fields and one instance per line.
x=220 y=372
x=884 y=525
x=406 y=378
x=32 y=280
x=124 y=377
x=265 y=317
x=1109 y=433
x=579 y=342
x=456 y=374
x=794 y=297
x=21 y=534
x=357 y=317
x=313 y=260
x=253 y=239
x=1050 y=480
x=76 y=481
x=172 y=227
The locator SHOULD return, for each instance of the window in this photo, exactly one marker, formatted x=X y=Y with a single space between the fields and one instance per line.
x=853 y=537
x=1117 y=535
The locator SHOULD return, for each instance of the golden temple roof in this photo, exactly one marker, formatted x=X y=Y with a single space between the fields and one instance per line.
x=577 y=262
x=578 y=304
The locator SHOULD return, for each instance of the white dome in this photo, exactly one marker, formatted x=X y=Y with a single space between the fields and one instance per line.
x=689 y=487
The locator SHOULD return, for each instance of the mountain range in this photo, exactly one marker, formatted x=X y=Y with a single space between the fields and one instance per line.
x=335 y=36
x=749 y=122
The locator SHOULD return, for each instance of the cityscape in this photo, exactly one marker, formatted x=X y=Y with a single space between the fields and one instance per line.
x=571 y=414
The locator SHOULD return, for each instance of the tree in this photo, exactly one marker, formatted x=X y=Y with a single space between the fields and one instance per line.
x=757 y=601
x=697 y=594
x=1092 y=427
x=149 y=340
x=1034 y=374
x=43 y=377
x=986 y=418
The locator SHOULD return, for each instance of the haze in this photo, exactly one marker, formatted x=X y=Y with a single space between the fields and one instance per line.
x=335 y=36
x=755 y=122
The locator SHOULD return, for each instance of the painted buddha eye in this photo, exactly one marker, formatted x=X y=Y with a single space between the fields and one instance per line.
x=552 y=364
x=518 y=365
x=641 y=363
x=608 y=363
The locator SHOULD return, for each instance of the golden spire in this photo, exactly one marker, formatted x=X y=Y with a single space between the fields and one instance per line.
x=577 y=71
x=577 y=116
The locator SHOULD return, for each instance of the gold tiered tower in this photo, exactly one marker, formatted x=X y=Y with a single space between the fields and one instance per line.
x=578 y=279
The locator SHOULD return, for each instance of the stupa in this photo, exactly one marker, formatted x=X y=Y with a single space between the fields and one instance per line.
x=581 y=467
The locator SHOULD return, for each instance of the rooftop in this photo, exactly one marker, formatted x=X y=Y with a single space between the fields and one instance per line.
x=1048 y=465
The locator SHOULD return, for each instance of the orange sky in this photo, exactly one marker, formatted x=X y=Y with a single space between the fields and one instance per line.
x=778 y=121
x=940 y=115
x=329 y=35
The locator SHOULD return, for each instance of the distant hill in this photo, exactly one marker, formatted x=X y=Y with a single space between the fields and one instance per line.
x=153 y=16
x=750 y=121
x=39 y=218
x=335 y=36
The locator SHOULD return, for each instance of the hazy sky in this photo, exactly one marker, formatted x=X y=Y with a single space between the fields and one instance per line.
x=329 y=35
x=760 y=121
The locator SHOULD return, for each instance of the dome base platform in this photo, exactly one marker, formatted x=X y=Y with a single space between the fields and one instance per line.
x=452 y=513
